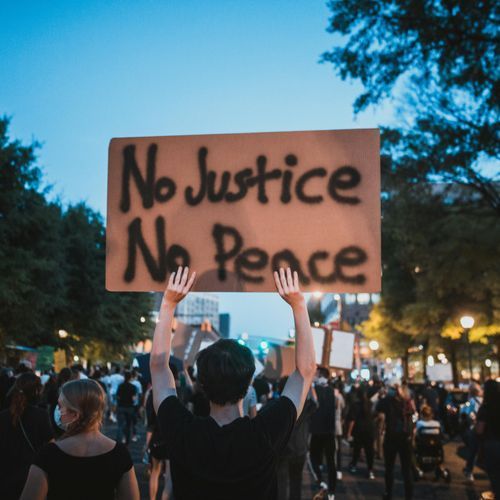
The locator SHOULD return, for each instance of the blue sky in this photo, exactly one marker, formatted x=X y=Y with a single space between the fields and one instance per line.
x=75 y=74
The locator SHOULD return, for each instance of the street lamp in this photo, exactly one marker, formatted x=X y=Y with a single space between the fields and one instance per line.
x=62 y=334
x=467 y=323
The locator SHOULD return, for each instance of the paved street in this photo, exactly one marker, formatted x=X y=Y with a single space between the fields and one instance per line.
x=358 y=486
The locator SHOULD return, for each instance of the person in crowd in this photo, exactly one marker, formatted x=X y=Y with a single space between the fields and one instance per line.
x=361 y=428
x=83 y=463
x=430 y=397
x=262 y=388
x=158 y=455
x=292 y=459
x=379 y=421
x=134 y=380
x=115 y=380
x=126 y=396
x=322 y=444
x=340 y=407
x=24 y=429
x=426 y=423
x=468 y=414
x=226 y=455
x=6 y=382
x=250 y=403
x=397 y=410
x=488 y=430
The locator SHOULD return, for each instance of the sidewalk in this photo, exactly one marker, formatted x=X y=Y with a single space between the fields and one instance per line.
x=357 y=486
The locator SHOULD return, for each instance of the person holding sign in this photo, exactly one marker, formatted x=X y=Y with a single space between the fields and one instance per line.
x=227 y=455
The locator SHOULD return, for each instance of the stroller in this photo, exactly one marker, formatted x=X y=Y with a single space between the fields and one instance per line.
x=429 y=453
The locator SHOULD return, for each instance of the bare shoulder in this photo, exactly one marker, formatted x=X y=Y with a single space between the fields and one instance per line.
x=84 y=445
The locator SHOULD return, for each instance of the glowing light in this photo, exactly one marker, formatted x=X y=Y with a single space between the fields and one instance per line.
x=76 y=358
x=441 y=356
x=430 y=360
x=317 y=295
x=143 y=319
x=365 y=373
x=316 y=324
x=373 y=345
x=264 y=345
x=241 y=342
x=467 y=321
x=388 y=360
x=62 y=334
x=487 y=362
x=336 y=296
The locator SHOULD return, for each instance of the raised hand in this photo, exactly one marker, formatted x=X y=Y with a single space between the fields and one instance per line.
x=288 y=287
x=178 y=286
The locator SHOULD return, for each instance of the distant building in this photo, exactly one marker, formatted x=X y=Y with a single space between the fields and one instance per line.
x=224 y=325
x=197 y=307
x=355 y=307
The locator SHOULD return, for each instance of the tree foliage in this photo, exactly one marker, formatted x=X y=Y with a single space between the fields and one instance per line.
x=52 y=264
x=440 y=58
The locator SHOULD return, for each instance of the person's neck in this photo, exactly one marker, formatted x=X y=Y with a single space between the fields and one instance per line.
x=225 y=414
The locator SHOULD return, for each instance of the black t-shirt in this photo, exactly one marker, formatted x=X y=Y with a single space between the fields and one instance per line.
x=323 y=419
x=16 y=453
x=491 y=421
x=125 y=395
x=82 y=478
x=298 y=443
x=398 y=413
x=237 y=460
x=363 y=419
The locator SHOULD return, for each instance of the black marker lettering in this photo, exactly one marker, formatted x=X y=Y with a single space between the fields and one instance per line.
x=286 y=258
x=299 y=188
x=350 y=257
x=219 y=232
x=157 y=270
x=145 y=186
x=344 y=178
x=252 y=259
x=262 y=177
x=191 y=199
x=313 y=268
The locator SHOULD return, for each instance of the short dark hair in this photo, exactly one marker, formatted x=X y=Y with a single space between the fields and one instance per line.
x=225 y=370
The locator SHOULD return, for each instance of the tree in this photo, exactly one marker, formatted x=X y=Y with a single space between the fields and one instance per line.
x=31 y=257
x=52 y=264
x=440 y=261
x=440 y=59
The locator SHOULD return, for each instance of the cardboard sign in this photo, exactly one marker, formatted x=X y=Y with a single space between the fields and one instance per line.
x=342 y=350
x=235 y=207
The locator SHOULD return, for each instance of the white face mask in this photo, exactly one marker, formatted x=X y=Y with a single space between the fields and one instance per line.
x=57 y=419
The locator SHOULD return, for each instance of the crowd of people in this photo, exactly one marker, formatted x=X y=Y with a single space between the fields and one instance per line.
x=216 y=430
x=379 y=419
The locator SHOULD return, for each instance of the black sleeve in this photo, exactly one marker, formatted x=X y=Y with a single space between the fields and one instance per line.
x=481 y=414
x=381 y=406
x=46 y=433
x=123 y=460
x=278 y=418
x=172 y=417
x=45 y=457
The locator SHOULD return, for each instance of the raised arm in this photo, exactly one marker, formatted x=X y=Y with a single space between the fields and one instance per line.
x=299 y=382
x=161 y=375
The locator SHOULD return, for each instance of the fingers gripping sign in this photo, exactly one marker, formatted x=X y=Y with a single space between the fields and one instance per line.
x=288 y=286
x=179 y=285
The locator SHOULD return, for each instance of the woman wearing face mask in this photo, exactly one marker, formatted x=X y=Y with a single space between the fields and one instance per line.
x=83 y=463
x=24 y=429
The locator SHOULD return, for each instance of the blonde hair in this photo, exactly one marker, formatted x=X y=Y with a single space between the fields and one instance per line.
x=88 y=399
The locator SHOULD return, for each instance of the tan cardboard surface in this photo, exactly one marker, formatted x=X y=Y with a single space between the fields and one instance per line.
x=321 y=207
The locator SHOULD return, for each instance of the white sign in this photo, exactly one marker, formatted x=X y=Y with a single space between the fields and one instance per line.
x=342 y=349
x=440 y=372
